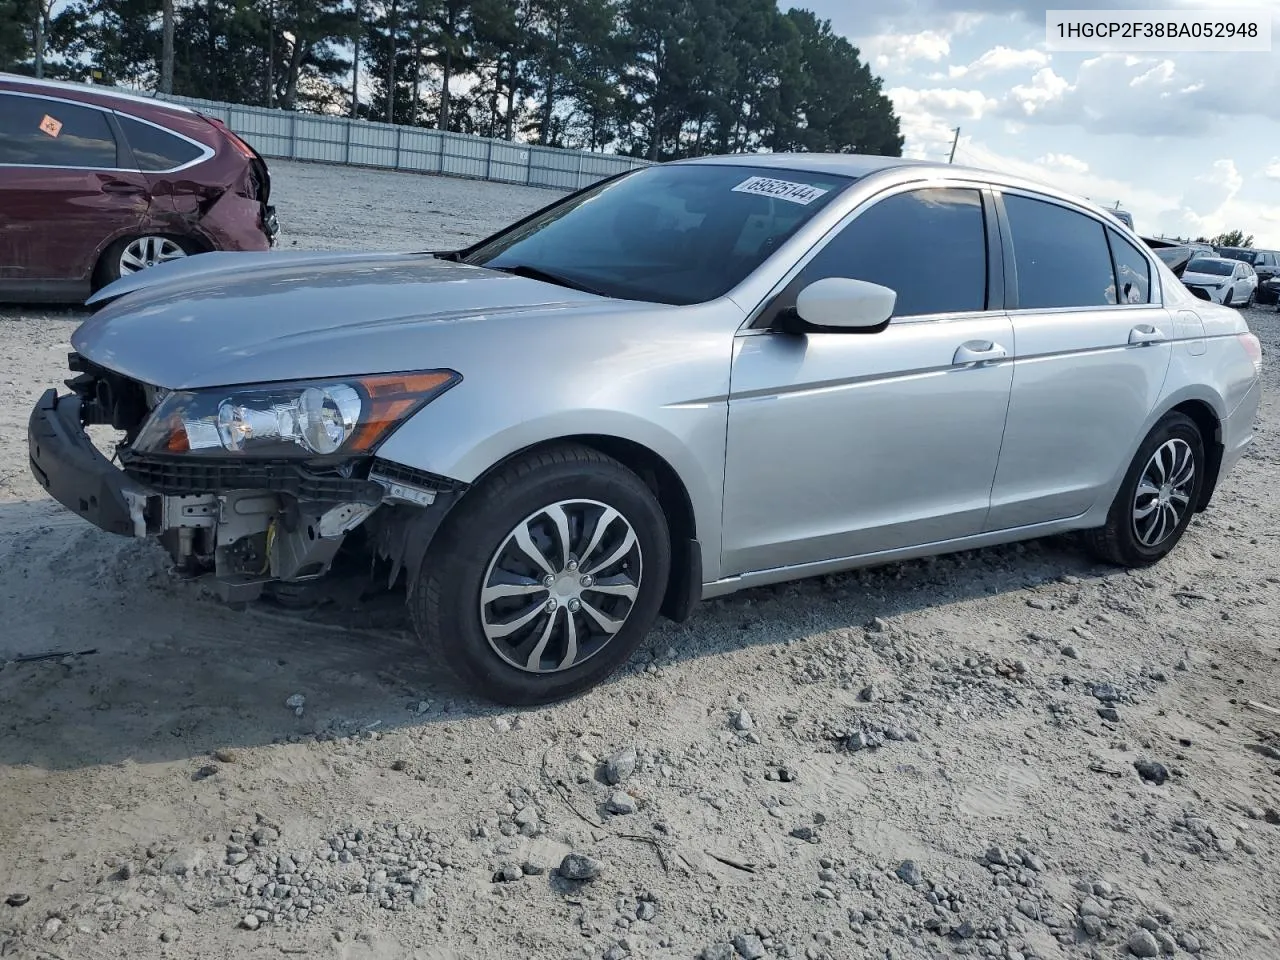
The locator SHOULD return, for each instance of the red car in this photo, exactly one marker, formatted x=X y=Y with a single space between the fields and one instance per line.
x=95 y=185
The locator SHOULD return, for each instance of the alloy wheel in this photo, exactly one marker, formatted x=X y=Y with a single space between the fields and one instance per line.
x=560 y=586
x=147 y=252
x=1164 y=492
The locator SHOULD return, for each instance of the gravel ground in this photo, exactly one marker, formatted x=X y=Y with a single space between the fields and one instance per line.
x=1012 y=753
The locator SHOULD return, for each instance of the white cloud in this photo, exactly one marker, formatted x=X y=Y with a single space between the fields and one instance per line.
x=896 y=49
x=1273 y=169
x=1045 y=88
x=1063 y=161
x=954 y=103
x=998 y=59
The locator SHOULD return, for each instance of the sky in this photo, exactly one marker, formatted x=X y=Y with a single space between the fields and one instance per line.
x=1189 y=143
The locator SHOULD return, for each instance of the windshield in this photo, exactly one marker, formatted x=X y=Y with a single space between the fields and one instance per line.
x=1215 y=267
x=674 y=234
x=1245 y=255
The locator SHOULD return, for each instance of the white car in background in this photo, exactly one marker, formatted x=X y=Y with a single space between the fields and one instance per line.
x=1232 y=283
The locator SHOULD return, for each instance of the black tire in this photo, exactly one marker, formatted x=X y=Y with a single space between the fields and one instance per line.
x=445 y=602
x=108 y=268
x=1248 y=304
x=1118 y=542
x=1226 y=301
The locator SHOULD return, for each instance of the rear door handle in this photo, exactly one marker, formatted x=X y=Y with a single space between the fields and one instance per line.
x=979 y=351
x=1145 y=333
x=123 y=188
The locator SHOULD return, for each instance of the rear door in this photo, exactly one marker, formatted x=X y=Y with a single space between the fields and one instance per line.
x=1093 y=348
x=65 y=190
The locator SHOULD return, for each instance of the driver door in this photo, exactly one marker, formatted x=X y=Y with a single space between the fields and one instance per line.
x=844 y=444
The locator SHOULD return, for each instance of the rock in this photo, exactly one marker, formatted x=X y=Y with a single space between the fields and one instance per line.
x=17 y=900
x=1029 y=908
x=997 y=856
x=743 y=721
x=1069 y=651
x=1151 y=771
x=869 y=694
x=749 y=946
x=1103 y=889
x=621 y=803
x=52 y=926
x=620 y=765
x=575 y=866
x=1143 y=944
x=399 y=766
x=1110 y=714
x=1148 y=922
x=170 y=936
x=250 y=922
x=618 y=951
x=1093 y=926
x=183 y=862
x=532 y=869
x=1189 y=942
x=646 y=910
x=296 y=702
x=508 y=873
x=1105 y=692
x=1092 y=908
x=1168 y=945
x=421 y=895
x=804 y=833
x=1035 y=603
x=718 y=951
x=125 y=872
x=909 y=873
x=225 y=755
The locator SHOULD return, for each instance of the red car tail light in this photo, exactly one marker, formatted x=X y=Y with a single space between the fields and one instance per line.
x=1253 y=347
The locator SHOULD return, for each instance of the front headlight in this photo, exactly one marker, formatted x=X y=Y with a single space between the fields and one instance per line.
x=311 y=418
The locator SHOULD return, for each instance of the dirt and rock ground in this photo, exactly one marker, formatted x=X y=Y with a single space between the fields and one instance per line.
x=1013 y=753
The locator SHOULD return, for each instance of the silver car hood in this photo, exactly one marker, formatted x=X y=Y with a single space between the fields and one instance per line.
x=228 y=318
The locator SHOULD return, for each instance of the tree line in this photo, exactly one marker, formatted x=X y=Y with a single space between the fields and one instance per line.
x=659 y=79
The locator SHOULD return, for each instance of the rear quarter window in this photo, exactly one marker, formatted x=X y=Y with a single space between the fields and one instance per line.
x=156 y=150
x=52 y=133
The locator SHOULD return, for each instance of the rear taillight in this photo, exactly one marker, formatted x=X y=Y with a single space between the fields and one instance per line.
x=1253 y=347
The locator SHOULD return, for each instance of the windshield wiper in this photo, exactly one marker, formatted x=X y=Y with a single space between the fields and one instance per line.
x=537 y=273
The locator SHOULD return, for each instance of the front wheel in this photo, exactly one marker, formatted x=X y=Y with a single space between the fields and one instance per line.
x=545 y=578
x=1157 y=499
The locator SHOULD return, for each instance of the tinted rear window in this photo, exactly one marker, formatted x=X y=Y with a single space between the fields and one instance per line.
x=1061 y=256
x=51 y=133
x=154 y=149
x=1214 y=267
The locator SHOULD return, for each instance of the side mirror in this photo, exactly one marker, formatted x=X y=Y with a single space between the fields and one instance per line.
x=841 y=303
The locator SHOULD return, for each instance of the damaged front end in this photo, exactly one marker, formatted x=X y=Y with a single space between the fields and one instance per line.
x=255 y=484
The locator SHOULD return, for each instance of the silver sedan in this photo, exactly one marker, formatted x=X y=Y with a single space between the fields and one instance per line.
x=688 y=380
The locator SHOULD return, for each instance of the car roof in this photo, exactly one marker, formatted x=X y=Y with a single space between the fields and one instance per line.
x=86 y=93
x=861 y=165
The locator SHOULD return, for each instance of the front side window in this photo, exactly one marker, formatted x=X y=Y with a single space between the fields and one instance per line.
x=930 y=246
x=678 y=233
x=1061 y=257
x=154 y=149
x=1133 y=272
x=51 y=133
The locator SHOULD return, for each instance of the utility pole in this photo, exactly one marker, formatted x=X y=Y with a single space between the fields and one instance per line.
x=355 y=69
x=166 y=49
x=40 y=8
x=955 y=140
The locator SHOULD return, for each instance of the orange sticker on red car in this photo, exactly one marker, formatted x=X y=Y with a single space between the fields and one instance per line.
x=50 y=126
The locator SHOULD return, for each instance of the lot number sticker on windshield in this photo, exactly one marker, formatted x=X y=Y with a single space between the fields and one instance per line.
x=800 y=193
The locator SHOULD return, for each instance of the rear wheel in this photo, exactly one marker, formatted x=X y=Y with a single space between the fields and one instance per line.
x=545 y=578
x=130 y=255
x=1157 y=499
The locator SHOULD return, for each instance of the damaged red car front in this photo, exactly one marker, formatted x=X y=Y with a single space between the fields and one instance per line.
x=95 y=185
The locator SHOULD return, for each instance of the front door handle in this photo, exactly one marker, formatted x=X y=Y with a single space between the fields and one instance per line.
x=1145 y=333
x=979 y=351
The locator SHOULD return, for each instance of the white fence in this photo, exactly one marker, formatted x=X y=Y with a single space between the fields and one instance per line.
x=328 y=139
